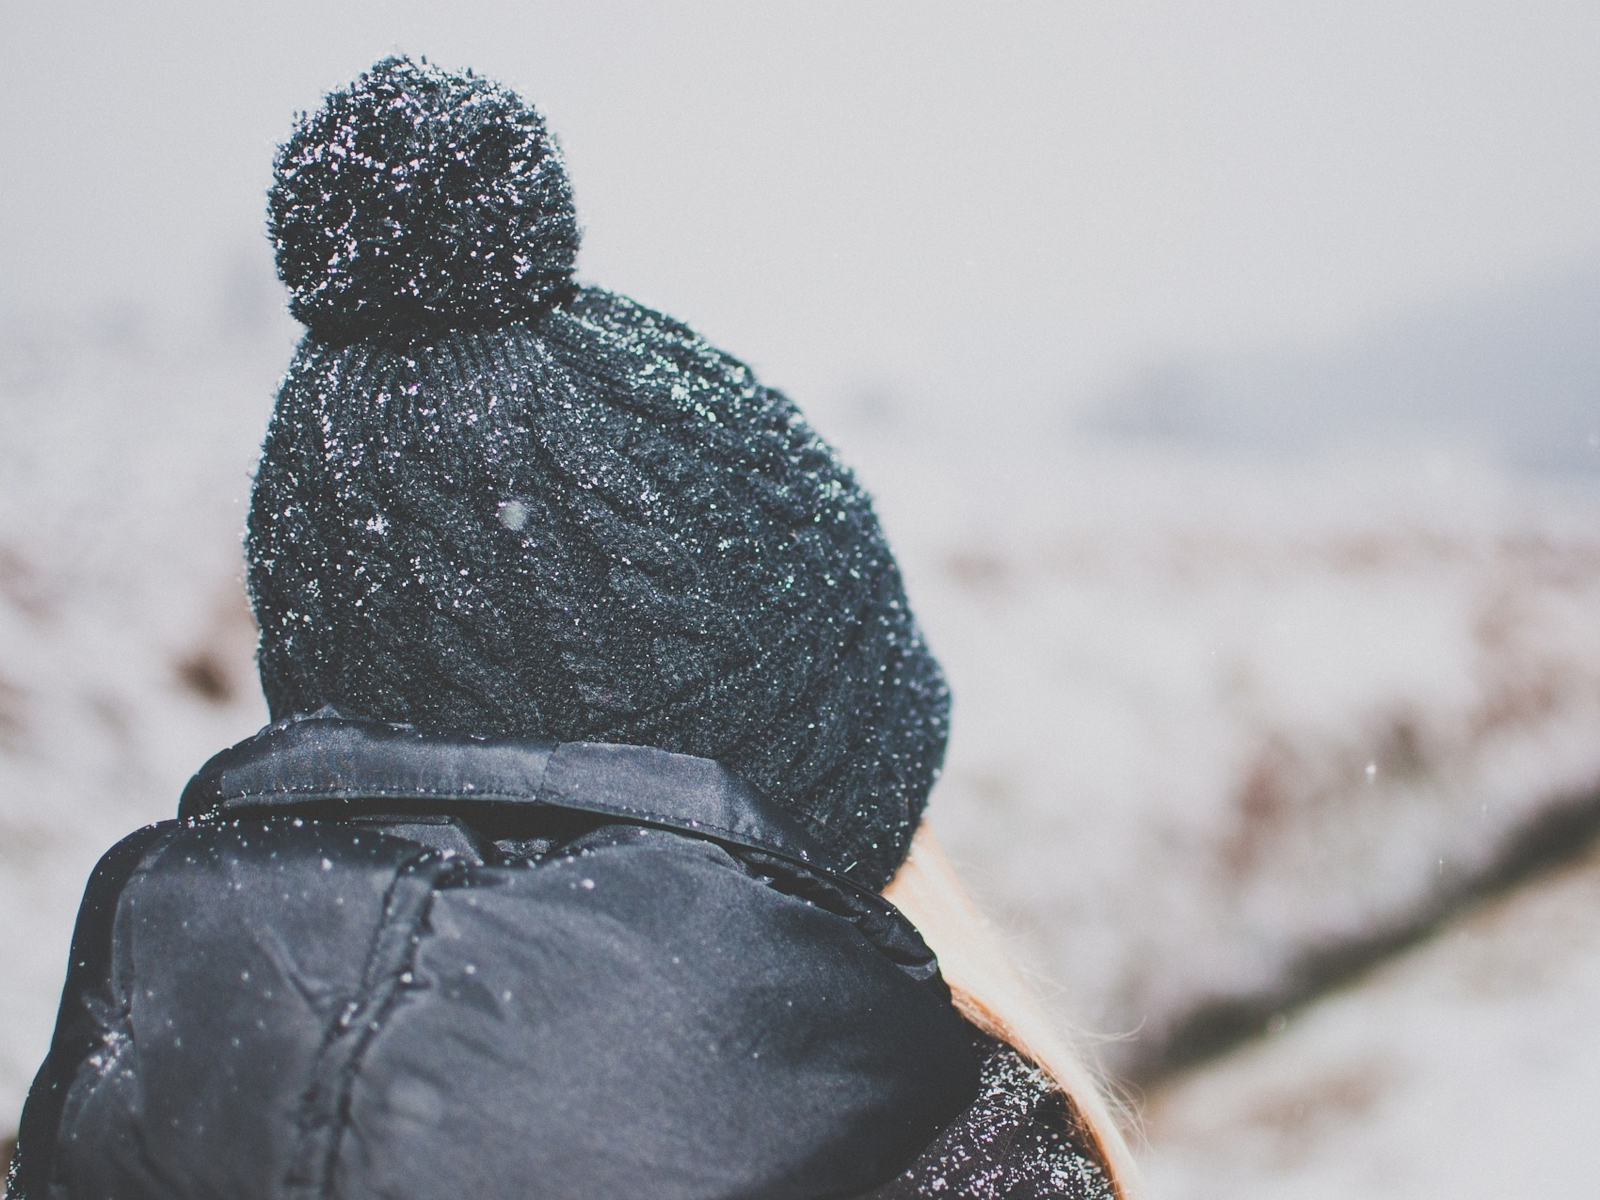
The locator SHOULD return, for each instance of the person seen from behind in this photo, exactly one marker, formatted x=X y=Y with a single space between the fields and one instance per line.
x=584 y=856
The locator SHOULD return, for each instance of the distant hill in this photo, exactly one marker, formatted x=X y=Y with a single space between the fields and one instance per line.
x=1514 y=372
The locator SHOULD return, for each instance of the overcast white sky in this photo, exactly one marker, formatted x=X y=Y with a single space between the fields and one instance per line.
x=983 y=201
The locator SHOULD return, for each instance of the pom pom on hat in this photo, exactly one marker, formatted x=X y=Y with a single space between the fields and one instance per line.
x=418 y=201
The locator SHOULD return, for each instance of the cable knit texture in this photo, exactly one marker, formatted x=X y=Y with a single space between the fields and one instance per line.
x=492 y=502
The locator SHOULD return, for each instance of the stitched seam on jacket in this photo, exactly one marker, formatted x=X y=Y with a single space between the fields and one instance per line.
x=324 y=1111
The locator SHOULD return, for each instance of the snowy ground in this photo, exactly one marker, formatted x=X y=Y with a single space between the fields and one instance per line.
x=1215 y=719
x=1468 y=1069
x=1218 y=720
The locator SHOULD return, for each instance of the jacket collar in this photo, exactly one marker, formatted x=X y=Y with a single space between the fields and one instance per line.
x=329 y=758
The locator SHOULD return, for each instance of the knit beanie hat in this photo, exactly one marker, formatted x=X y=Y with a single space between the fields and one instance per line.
x=495 y=502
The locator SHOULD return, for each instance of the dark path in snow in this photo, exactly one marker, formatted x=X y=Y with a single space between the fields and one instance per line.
x=1559 y=834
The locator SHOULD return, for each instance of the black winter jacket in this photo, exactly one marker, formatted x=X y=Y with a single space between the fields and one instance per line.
x=366 y=962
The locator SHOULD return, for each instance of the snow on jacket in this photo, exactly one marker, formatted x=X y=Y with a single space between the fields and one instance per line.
x=365 y=961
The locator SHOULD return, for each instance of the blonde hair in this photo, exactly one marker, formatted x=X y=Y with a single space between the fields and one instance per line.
x=990 y=993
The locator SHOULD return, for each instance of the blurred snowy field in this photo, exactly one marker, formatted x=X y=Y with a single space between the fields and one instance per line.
x=1218 y=720
x=1468 y=1069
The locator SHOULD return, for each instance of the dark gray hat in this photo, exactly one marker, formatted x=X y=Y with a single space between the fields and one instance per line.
x=495 y=502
